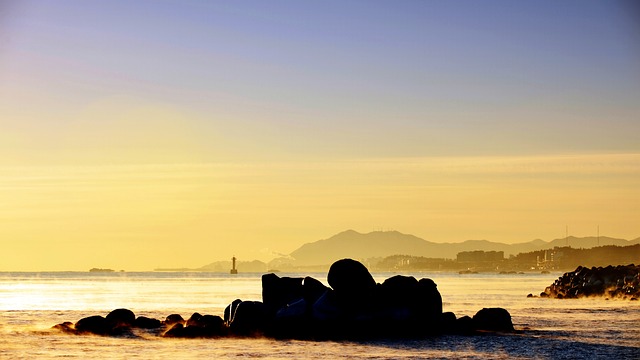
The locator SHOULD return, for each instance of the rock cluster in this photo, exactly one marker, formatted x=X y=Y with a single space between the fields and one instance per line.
x=123 y=322
x=353 y=307
x=609 y=282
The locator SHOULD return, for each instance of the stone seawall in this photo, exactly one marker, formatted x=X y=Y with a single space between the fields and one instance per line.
x=612 y=282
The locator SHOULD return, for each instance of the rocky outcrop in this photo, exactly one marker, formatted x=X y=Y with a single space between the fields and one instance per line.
x=250 y=318
x=230 y=310
x=174 y=319
x=143 y=322
x=353 y=307
x=352 y=282
x=621 y=282
x=93 y=325
x=118 y=322
x=493 y=319
x=280 y=291
x=120 y=318
x=199 y=326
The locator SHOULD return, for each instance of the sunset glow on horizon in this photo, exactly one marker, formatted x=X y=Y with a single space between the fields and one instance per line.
x=138 y=135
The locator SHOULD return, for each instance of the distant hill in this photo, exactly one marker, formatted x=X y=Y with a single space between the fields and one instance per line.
x=380 y=244
x=359 y=246
x=356 y=245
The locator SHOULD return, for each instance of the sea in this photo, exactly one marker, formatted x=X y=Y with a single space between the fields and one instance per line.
x=31 y=303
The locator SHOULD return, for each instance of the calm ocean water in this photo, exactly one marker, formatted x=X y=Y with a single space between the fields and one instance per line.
x=30 y=303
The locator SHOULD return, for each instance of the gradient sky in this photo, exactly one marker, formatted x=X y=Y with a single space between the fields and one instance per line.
x=144 y=134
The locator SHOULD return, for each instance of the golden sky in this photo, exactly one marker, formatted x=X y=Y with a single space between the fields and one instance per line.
x=193 y=131
x=139 y=217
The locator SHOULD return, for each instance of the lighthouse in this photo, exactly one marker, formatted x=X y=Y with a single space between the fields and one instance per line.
x=233 y=266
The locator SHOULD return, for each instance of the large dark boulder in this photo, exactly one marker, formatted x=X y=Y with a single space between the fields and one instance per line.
x=352 y=283
x=447 y=323
x=205 y=321
x=312 y=289
x=213 y=323
x=177 y=330
x=429 y=300
x=174 y=319
x=396 y=302
x=327 y=308
x=230 y=310
x=117 y=323
x=143 y=322
x=332 y=320
x=250 y=318
x=120 y=318
x=93 y=324
x=292 y=321
x=493 y=319
x=280 y=291
x=409 y=302
x=199 y=326
x=194 y=320
x=464 y=326
x=399 y=290
x=296 y=310
x=408 y=306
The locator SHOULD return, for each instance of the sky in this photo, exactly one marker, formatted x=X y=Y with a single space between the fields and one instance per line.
x=144 y=134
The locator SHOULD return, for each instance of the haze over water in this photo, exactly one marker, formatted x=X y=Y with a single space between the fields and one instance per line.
x=30 y=303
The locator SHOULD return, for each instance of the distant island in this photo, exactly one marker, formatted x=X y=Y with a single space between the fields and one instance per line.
x=101 y=270
x=394 y=251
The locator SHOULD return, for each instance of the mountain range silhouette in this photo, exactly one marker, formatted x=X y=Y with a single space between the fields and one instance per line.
x=357 y=245
x=380 y=244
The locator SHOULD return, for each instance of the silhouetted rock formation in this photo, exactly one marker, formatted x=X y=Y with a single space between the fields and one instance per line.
x=493 y=319
x=280 y=291
x=312 y=289
x=354 y=307
x=352 y=283
x=250 y=318
x=230 y=310
x=120 y=318
x=610 y=282
x=143 y=322
x=174 y=319
x=93 y=324
x=199 y=326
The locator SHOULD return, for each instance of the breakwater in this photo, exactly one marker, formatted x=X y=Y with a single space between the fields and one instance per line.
x=614 y=282
x=354 y=306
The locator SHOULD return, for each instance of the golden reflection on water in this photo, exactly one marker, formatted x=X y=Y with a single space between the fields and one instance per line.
x=30 y=304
